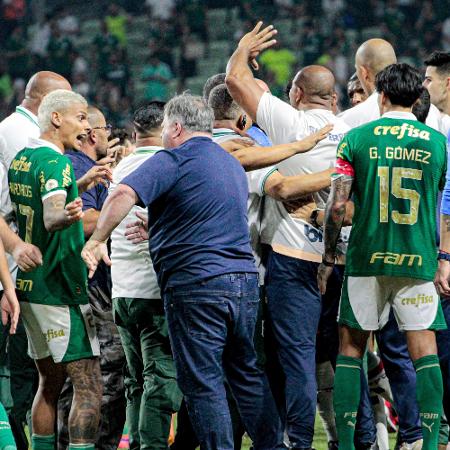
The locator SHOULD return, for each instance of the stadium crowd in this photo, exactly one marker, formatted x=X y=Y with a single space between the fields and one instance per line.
x=234 y=262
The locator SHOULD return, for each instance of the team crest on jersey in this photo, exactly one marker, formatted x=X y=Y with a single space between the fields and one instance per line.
x=51 y=184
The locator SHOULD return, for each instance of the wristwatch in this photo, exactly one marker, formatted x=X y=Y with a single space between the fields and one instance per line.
x=443 y=255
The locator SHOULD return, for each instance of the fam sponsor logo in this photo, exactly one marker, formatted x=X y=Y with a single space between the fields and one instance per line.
x=396 y=259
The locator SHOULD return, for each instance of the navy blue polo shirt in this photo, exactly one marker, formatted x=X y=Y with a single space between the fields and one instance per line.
x=196 y=196
x=93 y=198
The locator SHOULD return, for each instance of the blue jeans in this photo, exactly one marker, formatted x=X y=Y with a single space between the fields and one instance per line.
x=295 y=306
x=443 y=344
x=402 y=378
x=211 y=327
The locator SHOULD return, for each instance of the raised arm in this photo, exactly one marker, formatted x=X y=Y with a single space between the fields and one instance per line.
x=240 y=80
x=341 y=187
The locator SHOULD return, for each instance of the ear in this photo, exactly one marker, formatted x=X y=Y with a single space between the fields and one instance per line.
x=177 y=130
x=365 y=73
x=93 y=136
x=299 y=94
x=56 y=119
x=447 y=84
x=242 y=122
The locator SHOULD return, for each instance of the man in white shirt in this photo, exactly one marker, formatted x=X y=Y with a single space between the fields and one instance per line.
x=15 y=130
x=437 y=81
x=151 y=387
x=294 y=301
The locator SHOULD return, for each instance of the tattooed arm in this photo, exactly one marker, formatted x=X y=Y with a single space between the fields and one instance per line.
x=58 y=215
x=341 y=186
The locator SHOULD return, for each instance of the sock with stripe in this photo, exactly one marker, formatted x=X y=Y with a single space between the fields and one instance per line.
x=346 y=396
x=39 y=442
x=82 y=446
x=429 y=396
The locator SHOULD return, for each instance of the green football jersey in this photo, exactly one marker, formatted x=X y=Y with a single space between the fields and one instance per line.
x=34 y=175
x=399 y=165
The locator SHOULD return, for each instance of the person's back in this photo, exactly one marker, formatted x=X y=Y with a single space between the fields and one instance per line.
x=399 y=164
x=192 y=235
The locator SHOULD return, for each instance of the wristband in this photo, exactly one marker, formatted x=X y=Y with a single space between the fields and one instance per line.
x=443 y=255
x=313 y=218
x=328 y=263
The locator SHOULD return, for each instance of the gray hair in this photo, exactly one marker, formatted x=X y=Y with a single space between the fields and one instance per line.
x=223 y=105
x=57 y=101
x=191 y=112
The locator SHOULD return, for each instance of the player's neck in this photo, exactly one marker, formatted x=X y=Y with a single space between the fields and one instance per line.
x=50 y=136
x=148 y=142
x=31 y=105
x=397 y=108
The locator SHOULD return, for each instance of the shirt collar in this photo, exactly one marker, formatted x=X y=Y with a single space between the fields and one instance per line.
x=28 y=114
x=218 y=132
x=399 y=115
x=38 y=142
x=147 y=149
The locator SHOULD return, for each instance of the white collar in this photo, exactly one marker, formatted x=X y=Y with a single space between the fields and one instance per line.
x=38 y=142
x=399 y=115
x=28 y=114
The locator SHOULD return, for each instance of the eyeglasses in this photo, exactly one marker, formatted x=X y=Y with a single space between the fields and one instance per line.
x=107 y=128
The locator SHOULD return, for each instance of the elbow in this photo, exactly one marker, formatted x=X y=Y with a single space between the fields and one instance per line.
x=282 y=193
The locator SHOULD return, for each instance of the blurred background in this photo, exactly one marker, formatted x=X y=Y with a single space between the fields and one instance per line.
x=119 y=54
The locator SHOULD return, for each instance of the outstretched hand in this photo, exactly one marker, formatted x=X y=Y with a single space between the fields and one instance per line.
x=93 y=252
x=138 y=231
x=256 y=41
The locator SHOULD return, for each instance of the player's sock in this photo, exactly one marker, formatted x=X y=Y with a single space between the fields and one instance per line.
x=346 y=396
x=325 y=379
x=81 y=446
x=39 y=442
x=429 y=396
x=6 y=437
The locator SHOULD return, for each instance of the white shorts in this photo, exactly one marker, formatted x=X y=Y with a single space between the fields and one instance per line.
x=66 y=333
x=366 y=303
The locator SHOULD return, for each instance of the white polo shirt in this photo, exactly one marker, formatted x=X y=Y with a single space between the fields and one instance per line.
x=368 y=110
x=255 y=203
x=132 y=271
x=15 y=130
x=283 y=123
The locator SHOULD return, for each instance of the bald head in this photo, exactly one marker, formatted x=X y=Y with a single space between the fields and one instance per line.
x=375 y=55
x=95 y=117
x=39 y=85
x=316 y=83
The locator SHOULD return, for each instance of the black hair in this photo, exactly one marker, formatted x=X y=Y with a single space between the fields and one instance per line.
x=422 y=106
x=440 y=60
x=211 y=83
x=120 y=133
x=401 y=83
x=149 y=117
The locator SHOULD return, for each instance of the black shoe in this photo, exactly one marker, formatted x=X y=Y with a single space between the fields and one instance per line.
x=333 y=445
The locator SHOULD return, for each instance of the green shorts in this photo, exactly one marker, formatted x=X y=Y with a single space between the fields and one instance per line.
x=366 y=303
x=66 y=333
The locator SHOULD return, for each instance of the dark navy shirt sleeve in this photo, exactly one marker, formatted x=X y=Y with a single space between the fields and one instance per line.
x=154 y=177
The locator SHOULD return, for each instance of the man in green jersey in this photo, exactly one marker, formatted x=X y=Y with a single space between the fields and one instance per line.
x=53 y=298
x=394 y=166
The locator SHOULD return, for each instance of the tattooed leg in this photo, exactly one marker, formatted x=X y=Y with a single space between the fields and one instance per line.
x=51 y=381
x=87 y=395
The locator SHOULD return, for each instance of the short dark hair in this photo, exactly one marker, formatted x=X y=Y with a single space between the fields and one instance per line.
x=401 y=83
x=211 y=83
x=120 y=133
x=422 y=106
x=440 y=60
x=148 y=117
x=223 y=105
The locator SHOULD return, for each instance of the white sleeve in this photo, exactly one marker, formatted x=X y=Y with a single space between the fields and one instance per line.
x=257 y=179
x=281 y=122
